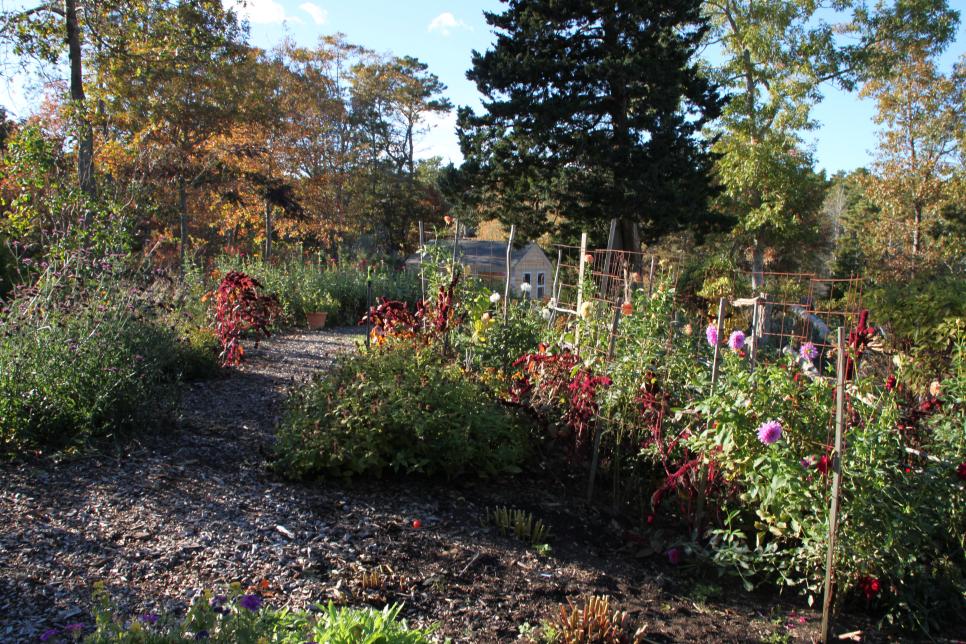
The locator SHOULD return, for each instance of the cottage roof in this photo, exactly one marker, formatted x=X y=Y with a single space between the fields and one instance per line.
x=482 y=255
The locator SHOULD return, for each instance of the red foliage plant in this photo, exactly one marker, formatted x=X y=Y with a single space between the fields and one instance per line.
x=430 y=320
x=239 y=308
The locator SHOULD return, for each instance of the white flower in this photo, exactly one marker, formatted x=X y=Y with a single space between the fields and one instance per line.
x=545 y=314
x=585 y=309
x=525 y=287
x=494 y=297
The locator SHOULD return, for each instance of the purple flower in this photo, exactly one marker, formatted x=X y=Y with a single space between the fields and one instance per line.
x=149 y=618
x=674 y=556
x=712 y=334
x=770 y=432
x=736 y=341
x=808 y=351
x=250 y=602
x=50 y=632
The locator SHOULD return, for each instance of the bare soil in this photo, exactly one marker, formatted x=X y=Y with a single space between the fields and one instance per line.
x=198 y=507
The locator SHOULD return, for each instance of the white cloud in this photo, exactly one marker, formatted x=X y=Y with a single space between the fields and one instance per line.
x=261 y=12
x=319 y=15
x=445 y=23
x=440 y=140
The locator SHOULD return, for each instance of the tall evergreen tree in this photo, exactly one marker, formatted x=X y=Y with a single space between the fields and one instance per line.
x=592 y=111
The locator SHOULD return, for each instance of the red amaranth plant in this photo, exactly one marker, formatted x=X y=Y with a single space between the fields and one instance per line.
x=583 y=406
x=238 y=309
x=430 y=320
x=392 y=318
x=859 y=339
x=541 y=378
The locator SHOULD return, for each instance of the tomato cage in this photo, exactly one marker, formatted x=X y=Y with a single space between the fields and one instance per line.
x=780 y=312
x=787 y=310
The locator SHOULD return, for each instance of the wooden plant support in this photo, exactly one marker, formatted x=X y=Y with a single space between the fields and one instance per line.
x=456 y=244
x=833 y=517
x=703 y=471
x=555 y=289
x=368 y=305
x=650 y=276
x=580 y=284
x=422 y=274
x=506 y=288
x=611 y=239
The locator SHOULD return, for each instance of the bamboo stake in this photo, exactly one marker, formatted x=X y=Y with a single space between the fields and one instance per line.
x=836 y=484
x=703 y=472
x=506 y=288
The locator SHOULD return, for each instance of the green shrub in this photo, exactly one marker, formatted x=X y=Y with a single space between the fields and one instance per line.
x=87 y=375
x=243 y=619
x=401 y=410
x=89 y=356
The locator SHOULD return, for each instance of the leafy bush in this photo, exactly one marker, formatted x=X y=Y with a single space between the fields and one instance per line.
x=87 y=355
x=242 y=618
x=398 y=409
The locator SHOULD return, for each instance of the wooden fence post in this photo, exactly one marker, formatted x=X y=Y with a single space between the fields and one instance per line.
x=506 y=288
x=650 y=277
x=836 y=483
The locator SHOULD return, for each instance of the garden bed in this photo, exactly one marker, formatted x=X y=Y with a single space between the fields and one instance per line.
x=197 y=508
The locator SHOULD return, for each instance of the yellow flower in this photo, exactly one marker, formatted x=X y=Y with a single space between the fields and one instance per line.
x=935 y=389
x=586 y=309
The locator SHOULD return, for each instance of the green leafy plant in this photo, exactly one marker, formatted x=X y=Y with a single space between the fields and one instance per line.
x=398 y=409
x=90 y=353
x=520 y=523
x=237 y=617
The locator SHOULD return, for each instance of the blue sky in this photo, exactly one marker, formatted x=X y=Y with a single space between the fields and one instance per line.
x=443 y=34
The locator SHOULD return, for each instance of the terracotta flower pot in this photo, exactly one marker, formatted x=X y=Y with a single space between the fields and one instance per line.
x=316 y=319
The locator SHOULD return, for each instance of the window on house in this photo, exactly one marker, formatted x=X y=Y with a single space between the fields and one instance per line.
x=527 y=280
x=541 y=285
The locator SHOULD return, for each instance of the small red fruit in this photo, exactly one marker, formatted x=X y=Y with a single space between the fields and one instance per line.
x=627 y=308
x=417 y=524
